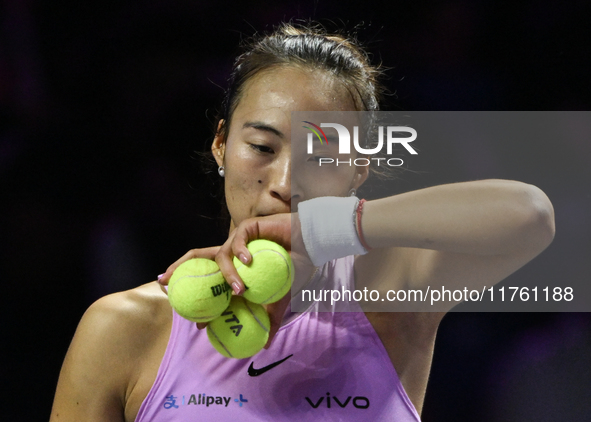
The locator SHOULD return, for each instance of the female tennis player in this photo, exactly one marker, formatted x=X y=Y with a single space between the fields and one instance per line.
x=133 y=359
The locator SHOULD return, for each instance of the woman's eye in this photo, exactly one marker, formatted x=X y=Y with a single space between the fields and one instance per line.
x=262 y=148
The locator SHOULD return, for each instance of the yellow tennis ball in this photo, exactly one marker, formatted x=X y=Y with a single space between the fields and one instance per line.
x=241 y=331
x=269 y=275
x=197 y=290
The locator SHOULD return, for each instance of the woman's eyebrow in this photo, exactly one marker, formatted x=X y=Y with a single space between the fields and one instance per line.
x=264 y=127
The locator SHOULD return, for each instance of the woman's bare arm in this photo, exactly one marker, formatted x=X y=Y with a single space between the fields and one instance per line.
x=465 y=234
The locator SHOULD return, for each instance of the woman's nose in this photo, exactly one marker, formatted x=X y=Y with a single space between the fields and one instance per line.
x=280 y=183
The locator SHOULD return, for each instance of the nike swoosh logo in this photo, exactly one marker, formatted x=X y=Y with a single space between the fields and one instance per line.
x=256 y=372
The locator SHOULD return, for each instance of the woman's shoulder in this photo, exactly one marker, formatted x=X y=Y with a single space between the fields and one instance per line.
x=130 y=321
x=126 y=323
x=146 y=300
x=137 y=311
x=115 y=337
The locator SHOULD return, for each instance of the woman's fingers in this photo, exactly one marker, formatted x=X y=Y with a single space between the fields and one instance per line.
x=248 y=230
x=225 y=260
x=275 y=227
x=207 y=253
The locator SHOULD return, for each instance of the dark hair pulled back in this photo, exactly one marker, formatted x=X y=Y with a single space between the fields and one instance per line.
x=306 y=47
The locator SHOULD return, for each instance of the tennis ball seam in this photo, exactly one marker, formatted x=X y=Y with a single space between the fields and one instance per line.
x=255 y=317
x=199 y=318
x=285 y=282
x=221 y=344
x=176 y=280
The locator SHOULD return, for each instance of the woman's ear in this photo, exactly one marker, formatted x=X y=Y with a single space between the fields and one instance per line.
x=218 y=147
x=361 y=175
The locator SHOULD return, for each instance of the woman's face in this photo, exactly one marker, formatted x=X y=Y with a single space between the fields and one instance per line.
x=258 y=156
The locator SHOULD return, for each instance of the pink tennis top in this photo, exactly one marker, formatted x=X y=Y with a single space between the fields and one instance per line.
x=321 y=366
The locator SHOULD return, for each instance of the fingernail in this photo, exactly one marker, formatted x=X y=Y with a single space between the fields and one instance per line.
x=236 y=287
x=160 y=276
x=243 y=258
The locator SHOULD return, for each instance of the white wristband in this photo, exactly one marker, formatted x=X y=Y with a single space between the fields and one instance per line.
x=328 y=228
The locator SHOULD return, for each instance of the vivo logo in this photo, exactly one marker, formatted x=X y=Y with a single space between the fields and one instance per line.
x=359 y=402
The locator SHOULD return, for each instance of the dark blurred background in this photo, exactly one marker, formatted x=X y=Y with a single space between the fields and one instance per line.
x=103 y=105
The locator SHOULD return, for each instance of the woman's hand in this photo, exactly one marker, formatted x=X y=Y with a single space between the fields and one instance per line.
x=283 y=229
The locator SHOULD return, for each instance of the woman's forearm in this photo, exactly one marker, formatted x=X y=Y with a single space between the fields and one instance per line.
x=488 y=217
